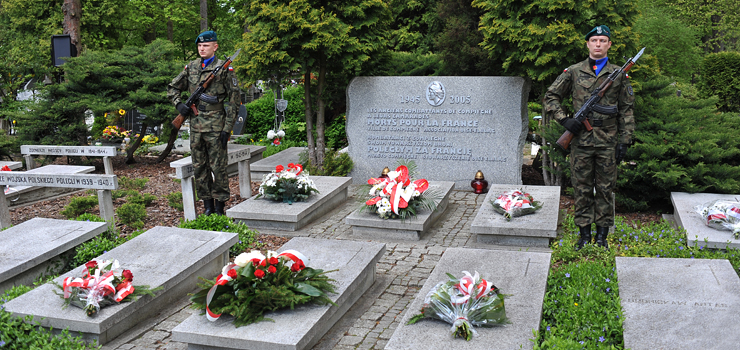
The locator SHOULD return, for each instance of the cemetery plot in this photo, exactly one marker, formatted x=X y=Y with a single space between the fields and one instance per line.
x=265 y=213
x=302 y=327
x=30 y=248
x=523 y=275
x=370 y=225
x=239 y=157
x=11 y=165
x=532 y=230
x=167 y=257
x=697 y=232
x=679 y=303
x=265 y=166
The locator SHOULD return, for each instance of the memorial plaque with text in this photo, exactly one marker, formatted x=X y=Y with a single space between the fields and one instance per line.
x=451 y=127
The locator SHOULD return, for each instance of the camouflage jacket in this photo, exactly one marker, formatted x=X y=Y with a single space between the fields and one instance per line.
x=212 y=117
x=578 y=81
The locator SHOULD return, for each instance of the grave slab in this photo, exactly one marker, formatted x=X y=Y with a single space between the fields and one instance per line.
x=679 y=303
x=523 y=275
x=169 y=257
x=22 y=195
x=369 y=225
x=302 y=327
x=532 y=230
x=696 y=230
x=450 y=126
x=11 y=165
x=267 y=165
x=29 y=248
x=269 y=214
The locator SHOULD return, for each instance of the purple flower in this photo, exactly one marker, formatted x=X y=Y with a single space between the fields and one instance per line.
x=608 y=280
x=567 y=275
x=548 y=328
x=601 y=339
x=608 y=289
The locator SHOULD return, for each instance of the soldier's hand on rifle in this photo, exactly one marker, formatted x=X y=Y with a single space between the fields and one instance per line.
x=183 y=109
x=621 y=151
x=571 y=125
x=223 y=138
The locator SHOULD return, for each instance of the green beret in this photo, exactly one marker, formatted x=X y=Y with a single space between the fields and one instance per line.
x=598 y=30
x=206 y=36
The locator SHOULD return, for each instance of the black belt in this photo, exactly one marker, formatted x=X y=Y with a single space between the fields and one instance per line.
x=602 y=122
x=210 y=107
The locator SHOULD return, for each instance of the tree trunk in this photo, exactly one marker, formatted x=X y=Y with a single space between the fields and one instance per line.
x=168 y=149
x=203 y=15
x=170 y=31
x=321 y=106
x=131 y=150
x=72 y=10
x=308 y=114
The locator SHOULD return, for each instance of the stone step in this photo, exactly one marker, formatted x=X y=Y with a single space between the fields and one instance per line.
x=169 y=257
x=30 y=248
x=679 y=303
x=523 y=275
x=302 y=327
x=267 y=165
x=533 y=230
x=266 y=213
x=370 y=225
x=697 y=232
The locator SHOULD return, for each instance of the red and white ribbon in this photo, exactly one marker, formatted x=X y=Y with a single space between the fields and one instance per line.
x=222 y=279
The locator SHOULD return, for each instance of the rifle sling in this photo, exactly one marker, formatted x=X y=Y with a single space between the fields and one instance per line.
x=598 y=123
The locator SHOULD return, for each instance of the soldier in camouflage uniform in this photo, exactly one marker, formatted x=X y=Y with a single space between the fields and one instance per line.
x=594 y=154
x=211 y=128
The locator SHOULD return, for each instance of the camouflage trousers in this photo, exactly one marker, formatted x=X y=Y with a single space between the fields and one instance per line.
x=593 y=168
x=209 y=158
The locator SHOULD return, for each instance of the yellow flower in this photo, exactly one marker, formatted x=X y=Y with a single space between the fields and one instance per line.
x=576 y=304
x=121 y=111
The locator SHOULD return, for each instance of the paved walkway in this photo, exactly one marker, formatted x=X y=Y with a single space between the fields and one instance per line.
x=369 y=324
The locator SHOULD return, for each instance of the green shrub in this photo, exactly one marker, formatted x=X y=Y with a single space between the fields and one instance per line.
x=144 y=199
x=90 y=217
x=95 y=247
x=79 y=205
x=720 y=76
x=262 y=115
x=174 y=200
x=335 y=164
x=223 y=223
x=115 y=194
x=336 y=135
x=137 y=184
x=132 y=214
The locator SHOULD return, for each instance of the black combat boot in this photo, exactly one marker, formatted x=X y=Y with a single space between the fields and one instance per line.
x=601 y=233
x=585 y=238
x=220 y=207
x=208 y=204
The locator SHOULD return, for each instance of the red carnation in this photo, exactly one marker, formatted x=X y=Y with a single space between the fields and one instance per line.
x=91 y=264
x=373 y=201
x=232 y=273
x=271 y=269
x=273 y=261
x=276 y=141
x=259 y=273
x=279 y=168
x=255 y=261
x=297 y=266
x=127 y=276
x=263 y=263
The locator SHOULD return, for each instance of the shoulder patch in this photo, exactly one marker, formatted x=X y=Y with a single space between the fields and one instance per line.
x=186 y=67
x=627 y=75
x=231 y=69
x=565 y=70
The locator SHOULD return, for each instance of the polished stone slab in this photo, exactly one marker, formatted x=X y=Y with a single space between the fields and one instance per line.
x=269 y=214
x=302 y=327
x=532 y=230
x=369 y=225
x=29 y=248
x=523 y=275
x=697 y=232
x=679 y=303
x=168 y=257
x=267 y=165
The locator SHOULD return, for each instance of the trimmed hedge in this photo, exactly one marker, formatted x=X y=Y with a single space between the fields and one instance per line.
x=720 y=76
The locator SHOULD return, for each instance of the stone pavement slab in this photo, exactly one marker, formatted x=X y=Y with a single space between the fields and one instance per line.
x=302 y=327
x=368 y=225
x=267 y=213
x=29 y=248
x=523 y=275
x=697 y=232
x=169 y=257
x=679 y=303
x=533 y=230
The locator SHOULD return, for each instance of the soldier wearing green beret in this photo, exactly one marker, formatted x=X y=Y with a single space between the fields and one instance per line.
x=594 y=155
x=211 y=128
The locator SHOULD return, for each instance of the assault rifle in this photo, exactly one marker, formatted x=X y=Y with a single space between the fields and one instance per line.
x=196 y=95
x=592 y=103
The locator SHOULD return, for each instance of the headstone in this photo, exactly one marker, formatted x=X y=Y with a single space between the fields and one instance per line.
x=266 y=213
x=31 y=247
x=367 y=224
x=241 y=120
x=450 y=126
x=532 y=230
x=697 y=232
x=302 y=327
x=523 y=275
x=169 y=257
x=265 y=166
x=679 y=303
